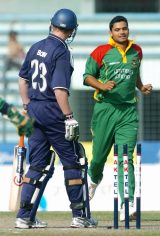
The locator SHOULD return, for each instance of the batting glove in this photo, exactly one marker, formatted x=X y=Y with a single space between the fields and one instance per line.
x=71 y=128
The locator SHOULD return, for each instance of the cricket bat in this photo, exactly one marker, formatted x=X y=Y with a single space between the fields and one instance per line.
x=19 y=165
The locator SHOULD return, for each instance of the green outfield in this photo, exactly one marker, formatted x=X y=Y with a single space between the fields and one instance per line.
x=58 y=224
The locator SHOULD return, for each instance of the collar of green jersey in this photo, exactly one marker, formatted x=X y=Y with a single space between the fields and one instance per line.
x=123 y=53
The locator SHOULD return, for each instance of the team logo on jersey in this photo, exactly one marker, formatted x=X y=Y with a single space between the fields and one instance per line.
x=135 y=62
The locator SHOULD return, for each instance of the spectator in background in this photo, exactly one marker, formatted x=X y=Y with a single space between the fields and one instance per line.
x=15 y=54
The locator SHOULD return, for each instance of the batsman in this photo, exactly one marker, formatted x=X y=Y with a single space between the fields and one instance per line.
x=44 y=83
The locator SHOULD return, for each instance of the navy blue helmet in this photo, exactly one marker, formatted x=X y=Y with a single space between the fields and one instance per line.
x=65 y=19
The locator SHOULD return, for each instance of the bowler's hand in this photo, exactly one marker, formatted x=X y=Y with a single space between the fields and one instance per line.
x=146 y=89
x=108 y=86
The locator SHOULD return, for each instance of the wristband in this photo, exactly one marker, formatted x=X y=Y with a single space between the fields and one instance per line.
x=25 y=107
x=68 y=116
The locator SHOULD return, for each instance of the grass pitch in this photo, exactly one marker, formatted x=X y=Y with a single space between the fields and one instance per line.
x=58 y=225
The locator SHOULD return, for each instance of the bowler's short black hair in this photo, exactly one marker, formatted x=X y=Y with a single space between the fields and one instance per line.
x=117 y=19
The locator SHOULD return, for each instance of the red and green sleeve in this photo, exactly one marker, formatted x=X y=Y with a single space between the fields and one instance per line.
x=95 y=61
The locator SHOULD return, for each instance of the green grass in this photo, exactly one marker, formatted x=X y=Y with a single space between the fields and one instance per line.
x=58 y=224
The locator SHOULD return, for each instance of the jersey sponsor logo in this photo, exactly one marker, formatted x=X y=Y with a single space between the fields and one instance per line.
x=41 y=53
x=123 y=73
x=114 y=62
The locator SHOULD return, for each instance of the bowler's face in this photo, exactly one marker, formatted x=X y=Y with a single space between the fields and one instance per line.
x=120 y=32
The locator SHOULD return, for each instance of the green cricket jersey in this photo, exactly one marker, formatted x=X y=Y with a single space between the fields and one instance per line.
x=110 y=62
